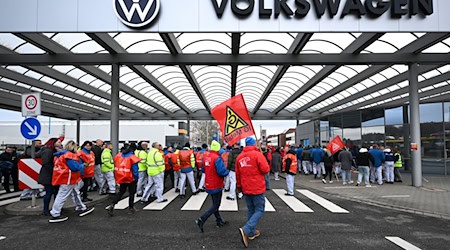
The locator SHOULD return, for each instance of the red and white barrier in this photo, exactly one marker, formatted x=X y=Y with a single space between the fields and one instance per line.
x=28 y=173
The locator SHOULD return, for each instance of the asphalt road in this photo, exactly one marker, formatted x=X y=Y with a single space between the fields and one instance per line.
x=364 y=227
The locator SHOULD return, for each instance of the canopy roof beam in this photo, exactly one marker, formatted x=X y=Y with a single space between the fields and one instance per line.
x=174 y=48
x=235 y=47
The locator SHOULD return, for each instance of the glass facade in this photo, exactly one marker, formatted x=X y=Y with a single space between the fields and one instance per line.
x=390 y=127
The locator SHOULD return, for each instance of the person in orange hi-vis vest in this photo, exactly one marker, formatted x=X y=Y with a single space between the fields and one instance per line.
x=66 y=174
x=126 y=172
x=176 y=168
x=87 y=157
x=186 y=160
x=199 y=163
x=168 y=166
x=290 y=167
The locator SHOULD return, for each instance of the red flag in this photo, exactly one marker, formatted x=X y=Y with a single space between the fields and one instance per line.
x=234 y=119
x=335 y=145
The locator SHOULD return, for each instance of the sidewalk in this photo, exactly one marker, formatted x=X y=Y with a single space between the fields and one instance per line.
x=24 y=207
x=433 y=199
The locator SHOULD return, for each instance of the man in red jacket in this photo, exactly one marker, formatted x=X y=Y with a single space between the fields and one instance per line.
x=251 y=166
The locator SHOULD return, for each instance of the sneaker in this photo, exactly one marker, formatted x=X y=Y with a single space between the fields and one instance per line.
x=177 y=190
x=86 y=211
x=58 y=219
x=350 y=182
x=357 y=184
x=324 y=181
x=229 y=198
x=196 y=192
x=256 y=235
x=344 y=183
x=86 y=199
x=288 y=194
x=221 y=224
x=331 y=182
x=227 y=190
x=139 y=195
x=132 y=210
x=110 y=209
x=243 y=237
x=240 y=195
x=182 y=196
x=368 y=185
x=277 y=179
x=163 y=200
x=199 y=223
x=46 y=213
x=202 y=190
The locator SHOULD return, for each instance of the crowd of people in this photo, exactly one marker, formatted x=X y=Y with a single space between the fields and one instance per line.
x=242 y=172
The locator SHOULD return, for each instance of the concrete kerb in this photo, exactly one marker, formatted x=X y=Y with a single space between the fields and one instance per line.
x=23 y=208
x=379 y=204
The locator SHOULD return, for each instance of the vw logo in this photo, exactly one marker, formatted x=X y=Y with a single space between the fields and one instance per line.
x=136 y=13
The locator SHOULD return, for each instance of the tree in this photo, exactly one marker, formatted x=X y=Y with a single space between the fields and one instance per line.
x=203 y=131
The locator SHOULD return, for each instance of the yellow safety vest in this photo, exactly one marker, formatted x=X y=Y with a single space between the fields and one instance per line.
x=142 y=154
x=398 y=164
x=155 y=162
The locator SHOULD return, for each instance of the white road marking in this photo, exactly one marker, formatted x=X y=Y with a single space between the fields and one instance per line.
x=195 y=203
x=2 y=237
x=396 y=196
x=123 y=204
x=228 y=205
x=268 y=206
x=323 y=202
x=9 y=201
x=402 y=243
x=348 y=187
x=292 y=202
x=169 y=195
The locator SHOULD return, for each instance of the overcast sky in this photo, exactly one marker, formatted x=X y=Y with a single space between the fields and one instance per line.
x=272 y=127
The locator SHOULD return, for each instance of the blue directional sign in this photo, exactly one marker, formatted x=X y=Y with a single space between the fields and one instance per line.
x=30 y=128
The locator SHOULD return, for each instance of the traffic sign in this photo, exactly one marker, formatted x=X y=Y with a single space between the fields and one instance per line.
x=31 y=104
x=30 y=128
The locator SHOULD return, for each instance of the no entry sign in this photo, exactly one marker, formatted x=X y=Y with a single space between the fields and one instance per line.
x=31 y=104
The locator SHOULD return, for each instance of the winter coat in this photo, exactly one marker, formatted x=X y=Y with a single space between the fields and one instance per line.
x=45 y=175
x=363 y=159
x=346 y=159
x=98 y=154
x=215 y=170
x=378 y=157
x=235 y=152
x=276 y=162
x=251 y=166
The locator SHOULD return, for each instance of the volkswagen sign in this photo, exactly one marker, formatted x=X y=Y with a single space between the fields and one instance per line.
x=136 y=13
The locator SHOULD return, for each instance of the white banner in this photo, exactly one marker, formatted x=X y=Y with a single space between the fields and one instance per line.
x=225 y=16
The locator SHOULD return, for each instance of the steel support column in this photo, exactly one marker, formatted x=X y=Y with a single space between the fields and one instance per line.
x=416 y=157
x=115 y=89
x=78 y=130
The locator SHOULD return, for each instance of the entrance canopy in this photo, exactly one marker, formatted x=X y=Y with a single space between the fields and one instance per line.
x=185 y=75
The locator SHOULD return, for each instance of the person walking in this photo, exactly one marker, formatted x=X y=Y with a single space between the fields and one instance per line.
x=97 y=148
x=155 y=172
x=7 y=166
x=346 y=160
x=232 y=167
x=66 y=174
x=276 y=163
x=87 y=158
x=363 y=162
x=306 y=160
x=215 y=171
x=251 y=166
x=176 y=168
x=187 y=163
x=46 y=172
x=268 y=155
x=168 y=171
x=199 y=163
x=327 y=160
x=290 y=168
x=141 y=153
x=299 y=153
x=389 y=161
x=377 y=162
x=316 y=156
x=126 y=171
x=108 y=171
x=397 y=165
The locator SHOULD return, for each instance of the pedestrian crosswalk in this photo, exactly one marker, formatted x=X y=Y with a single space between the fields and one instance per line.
x=197 y=202
x=6 y=199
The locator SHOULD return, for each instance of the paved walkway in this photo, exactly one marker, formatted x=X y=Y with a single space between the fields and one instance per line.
x=433 y=199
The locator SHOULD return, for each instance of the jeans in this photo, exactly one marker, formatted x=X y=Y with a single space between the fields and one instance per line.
x=214 y=209
x=267 y=178
x=255 y=206
x=389 y=171
x=84 y=189
x=328 y=172
x=363 y=172
x=346 y=176
x=398 y=176
x=49 y=191
x=131 y=190
x=169 y=173
x=232 y=176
